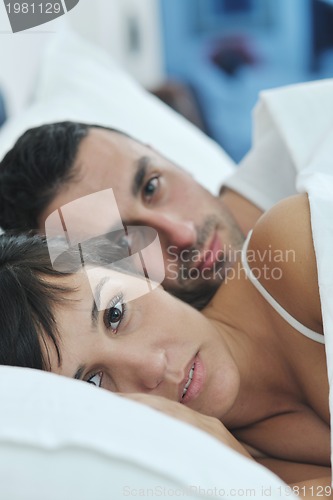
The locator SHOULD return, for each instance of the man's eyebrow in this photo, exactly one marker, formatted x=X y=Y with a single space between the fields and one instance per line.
x=97 y=299
x=141 y=169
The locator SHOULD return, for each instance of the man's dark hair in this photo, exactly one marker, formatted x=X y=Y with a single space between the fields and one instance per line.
x=35 y=168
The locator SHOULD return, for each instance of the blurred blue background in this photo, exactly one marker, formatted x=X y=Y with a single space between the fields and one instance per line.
x=219 y=54
x=208 y=59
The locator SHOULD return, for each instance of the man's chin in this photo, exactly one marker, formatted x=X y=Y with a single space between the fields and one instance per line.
x=196 y=293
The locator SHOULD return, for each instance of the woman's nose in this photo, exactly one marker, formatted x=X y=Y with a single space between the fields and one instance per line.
x=139 y=371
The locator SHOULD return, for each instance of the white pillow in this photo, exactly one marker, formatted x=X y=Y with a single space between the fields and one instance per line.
x=62 y=439
x=79 y=81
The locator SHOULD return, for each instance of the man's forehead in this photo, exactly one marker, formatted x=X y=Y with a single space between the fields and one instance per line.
x=115 y=142
x=105 y=160
x=105 y=157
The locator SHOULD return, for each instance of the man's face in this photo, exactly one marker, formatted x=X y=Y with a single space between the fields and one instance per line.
x=196 y=232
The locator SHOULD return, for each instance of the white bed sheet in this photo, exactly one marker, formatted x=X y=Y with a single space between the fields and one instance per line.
x=64 y=439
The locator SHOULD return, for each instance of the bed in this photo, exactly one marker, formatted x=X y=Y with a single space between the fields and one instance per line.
x=60 y=438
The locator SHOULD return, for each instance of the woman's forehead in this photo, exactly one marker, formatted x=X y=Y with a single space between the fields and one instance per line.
x=104 y=281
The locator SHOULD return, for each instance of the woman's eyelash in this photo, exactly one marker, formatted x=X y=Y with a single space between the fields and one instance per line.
x=96 y=379
x=115 y=312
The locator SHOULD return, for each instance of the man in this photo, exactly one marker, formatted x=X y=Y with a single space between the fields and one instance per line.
x=52 y=165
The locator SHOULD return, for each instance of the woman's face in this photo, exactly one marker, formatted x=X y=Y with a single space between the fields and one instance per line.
x=116 y=334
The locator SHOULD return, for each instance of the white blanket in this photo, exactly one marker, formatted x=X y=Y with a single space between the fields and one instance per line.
x=300 y=118
x=61 y=439
x=320 y=190
x=292 y=152
x=292 y=131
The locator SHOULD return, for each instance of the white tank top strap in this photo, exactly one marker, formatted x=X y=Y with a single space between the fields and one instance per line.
x=317 y=337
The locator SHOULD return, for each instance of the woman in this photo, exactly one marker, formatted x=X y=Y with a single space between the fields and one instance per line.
x=240 y=360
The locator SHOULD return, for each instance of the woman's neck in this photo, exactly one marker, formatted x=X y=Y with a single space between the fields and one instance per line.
x=244 y=322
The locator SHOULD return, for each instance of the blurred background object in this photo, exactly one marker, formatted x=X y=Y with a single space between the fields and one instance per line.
x=208 y=59
x=3 y=112
x=229 y=50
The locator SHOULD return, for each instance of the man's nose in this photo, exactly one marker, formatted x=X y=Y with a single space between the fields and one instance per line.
x=139 y=371
x=172 y=230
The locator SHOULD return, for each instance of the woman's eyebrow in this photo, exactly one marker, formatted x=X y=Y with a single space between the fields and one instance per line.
x=141 y=169
x=94 y=315
x=78 y=374
x=97 y=299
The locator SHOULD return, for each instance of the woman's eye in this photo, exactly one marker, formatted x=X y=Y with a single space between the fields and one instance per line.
x=150 y=188
x=96 y=379
x=114 y=316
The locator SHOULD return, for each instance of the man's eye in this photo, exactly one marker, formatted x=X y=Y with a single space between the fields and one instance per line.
x=96 y=379
x=150 y=188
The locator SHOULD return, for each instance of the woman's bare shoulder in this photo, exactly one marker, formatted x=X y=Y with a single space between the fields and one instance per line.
x=282 y=248
x=286 y=224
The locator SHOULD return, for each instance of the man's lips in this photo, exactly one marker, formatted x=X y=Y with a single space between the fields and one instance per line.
x=211 y=253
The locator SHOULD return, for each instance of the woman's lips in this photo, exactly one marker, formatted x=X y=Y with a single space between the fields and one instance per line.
x=194 y=381
x=189 y=380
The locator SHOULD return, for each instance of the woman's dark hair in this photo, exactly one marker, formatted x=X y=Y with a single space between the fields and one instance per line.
x=27 y=298
x=29 y=291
